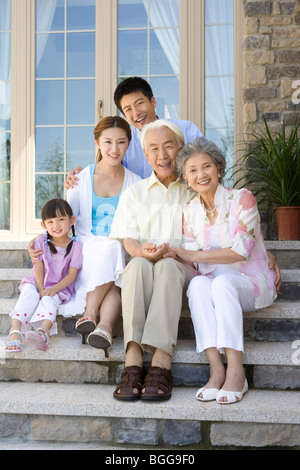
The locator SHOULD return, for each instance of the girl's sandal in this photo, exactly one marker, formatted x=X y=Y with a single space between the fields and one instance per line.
x=15 y=343
x=157 y=380
x=132 y=377
x=41 y=341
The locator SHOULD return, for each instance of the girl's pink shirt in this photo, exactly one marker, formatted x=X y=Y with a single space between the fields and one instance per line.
x=56 y=266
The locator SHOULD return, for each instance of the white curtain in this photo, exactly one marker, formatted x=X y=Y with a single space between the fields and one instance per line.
x=44 y=20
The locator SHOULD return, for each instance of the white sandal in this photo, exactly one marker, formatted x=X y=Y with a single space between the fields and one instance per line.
x=208 y=394
x=41 y=341
x=16 y=342
x=232 y=397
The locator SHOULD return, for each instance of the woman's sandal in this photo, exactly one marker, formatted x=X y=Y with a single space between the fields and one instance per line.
x=15 y=343
x=208 y=394
x=85 y=327
x=232 y=397
x=100 y=339
x=132 y=377
x=41 y=341
x=157 y=379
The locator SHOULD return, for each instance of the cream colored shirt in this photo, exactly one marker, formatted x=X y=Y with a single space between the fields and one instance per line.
x=150 y=212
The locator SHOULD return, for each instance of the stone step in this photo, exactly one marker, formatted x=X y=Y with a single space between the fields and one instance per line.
x=14 y=254
x=89 y=413
x=267 y=364
x=279 y=322
x=10 y=279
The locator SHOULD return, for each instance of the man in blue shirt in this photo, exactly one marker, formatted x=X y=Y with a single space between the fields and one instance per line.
x=134 y=98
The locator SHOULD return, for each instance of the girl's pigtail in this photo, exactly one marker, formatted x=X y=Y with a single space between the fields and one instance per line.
x=74 y=238
x=51 y=246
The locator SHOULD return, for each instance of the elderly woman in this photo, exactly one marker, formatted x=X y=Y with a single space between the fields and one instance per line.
x=222 y=237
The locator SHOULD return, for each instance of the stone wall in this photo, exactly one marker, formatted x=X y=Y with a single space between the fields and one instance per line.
x=271 y=63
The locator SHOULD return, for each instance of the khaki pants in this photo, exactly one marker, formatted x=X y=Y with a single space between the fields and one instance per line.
x=152 y=295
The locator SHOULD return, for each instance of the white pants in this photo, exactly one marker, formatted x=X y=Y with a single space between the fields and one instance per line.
x=217 y=306
x=31 y=310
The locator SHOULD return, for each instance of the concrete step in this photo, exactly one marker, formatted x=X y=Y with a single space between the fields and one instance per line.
x=267 y=364
x=89 y=413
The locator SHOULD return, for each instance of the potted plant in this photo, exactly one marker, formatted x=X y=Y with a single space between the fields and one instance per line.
x=271 y=170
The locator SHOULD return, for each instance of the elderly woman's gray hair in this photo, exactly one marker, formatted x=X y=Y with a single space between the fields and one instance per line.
x=200 y=146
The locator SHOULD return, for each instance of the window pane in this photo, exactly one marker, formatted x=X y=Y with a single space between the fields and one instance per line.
x=80 y=147
x=81 y=55
x=163 y=59
x=5 y=15
x=5 y=48
x=219 y=56
x=132 y=52
x=5 y=106
x=80 y=14
x=164 y=13
x=49 y=55
x=50 y=15
x=4 y=206
x=47 y=187
x=218 y=11
x=49 y=154
x=80 y=101
x=166 y=92
x=132 y=14
x=49 y=102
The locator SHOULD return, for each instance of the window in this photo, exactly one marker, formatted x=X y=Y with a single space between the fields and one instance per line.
x=5 y=113
x=148 y=46
x=65 y=93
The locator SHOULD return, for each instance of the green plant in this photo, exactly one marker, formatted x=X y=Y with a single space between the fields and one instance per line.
x=271 y=168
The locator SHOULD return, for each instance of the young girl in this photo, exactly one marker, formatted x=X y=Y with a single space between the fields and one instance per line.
x=51 y=281
x=94 y=201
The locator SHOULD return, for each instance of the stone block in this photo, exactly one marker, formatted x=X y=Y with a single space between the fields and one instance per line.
x=257 y=8
x=283 y=377
x=283 y=71
x=254 y=434
x=68 y=429
x=289 y=56
x=137 y=431
x=255 y=75
x=13 y=426
x=258 y=41
x=258 y=93
x=259 y=58
x=182 y=433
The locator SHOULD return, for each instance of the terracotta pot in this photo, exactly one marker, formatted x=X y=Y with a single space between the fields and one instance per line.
x=288 y=222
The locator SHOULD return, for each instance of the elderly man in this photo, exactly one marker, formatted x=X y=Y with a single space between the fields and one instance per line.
x=148 y=221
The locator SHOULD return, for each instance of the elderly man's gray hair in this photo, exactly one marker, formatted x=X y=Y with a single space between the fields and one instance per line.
x=157 y=125
x=200 y=146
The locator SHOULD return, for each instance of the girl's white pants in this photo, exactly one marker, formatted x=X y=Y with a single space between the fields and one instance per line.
x=31 y=310
x=217 y=306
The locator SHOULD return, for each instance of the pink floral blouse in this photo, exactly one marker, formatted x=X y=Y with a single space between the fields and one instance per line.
x=237 y=227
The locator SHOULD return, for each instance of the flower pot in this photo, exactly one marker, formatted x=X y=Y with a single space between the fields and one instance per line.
x=288 y=222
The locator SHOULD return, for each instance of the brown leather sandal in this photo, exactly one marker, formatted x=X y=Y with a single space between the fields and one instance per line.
x=132 y=377
x=157 y=379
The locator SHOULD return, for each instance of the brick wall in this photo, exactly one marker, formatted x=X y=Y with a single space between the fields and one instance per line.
x=271 y=63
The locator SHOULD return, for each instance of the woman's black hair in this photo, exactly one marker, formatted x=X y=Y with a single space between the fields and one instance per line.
x=53 y=208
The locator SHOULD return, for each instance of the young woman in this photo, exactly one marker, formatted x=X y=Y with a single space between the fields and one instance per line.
x=94 y=201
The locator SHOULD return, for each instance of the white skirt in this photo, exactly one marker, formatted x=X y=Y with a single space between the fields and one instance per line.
x=103 y=262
